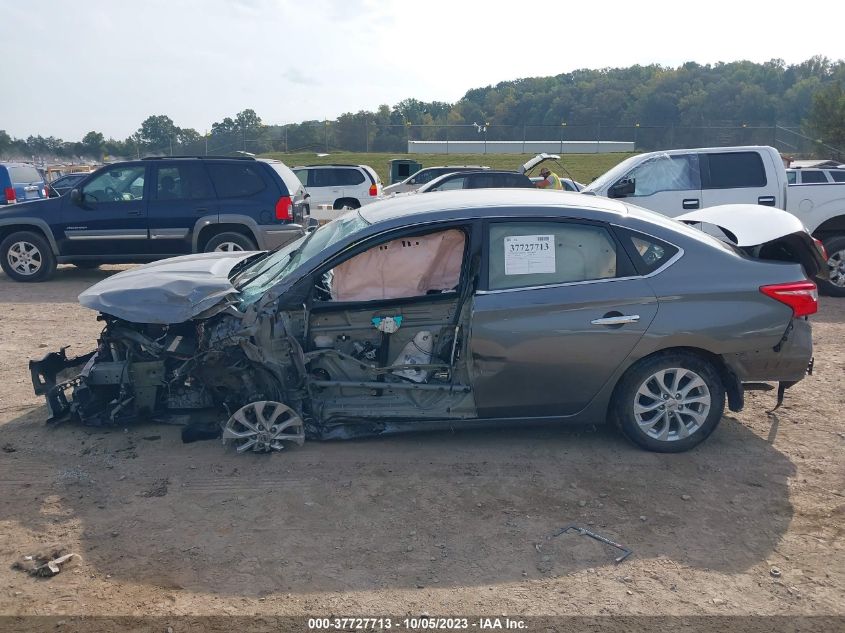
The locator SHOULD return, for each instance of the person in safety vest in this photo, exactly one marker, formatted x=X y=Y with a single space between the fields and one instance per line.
x=550 y=180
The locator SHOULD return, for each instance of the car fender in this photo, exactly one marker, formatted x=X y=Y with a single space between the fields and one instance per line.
x=38 y=223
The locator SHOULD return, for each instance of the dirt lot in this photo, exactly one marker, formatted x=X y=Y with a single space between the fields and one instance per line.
x=441 y=523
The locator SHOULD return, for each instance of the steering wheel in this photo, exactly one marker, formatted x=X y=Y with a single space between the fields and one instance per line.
x=111 y=193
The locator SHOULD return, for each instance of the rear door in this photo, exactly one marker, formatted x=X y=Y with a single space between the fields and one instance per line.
x=181 y=194
x=738 y=177
x=667 y=183
x=111 y=216
x=243 y=191
x=561 y=309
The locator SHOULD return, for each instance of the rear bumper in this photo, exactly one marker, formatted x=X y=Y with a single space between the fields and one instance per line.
x=788 y=361
x=276 y=235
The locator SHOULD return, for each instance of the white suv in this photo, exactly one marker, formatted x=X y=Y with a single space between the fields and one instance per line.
x=340 y=185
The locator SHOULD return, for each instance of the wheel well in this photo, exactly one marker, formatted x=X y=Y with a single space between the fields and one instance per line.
x=341 y=202
x=830 y=228
x=8 y=229
x=732 y=384
x=216 y=229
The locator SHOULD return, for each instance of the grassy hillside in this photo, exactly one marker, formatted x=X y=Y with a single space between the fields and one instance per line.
x=582 y=167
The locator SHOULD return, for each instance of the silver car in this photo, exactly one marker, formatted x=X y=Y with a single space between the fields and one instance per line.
x=467 y=308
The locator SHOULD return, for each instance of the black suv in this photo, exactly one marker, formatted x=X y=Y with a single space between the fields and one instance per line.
x=153 y=208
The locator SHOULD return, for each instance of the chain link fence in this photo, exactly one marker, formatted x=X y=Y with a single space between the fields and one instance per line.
x=335 y=136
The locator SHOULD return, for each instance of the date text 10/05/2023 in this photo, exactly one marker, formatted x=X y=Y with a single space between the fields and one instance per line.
x=422 y=623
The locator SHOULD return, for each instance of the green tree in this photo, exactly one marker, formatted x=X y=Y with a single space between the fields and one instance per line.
x=5 y=142
x=827 y=116
x=158 y=132
x=94 y=144
x=247 y=121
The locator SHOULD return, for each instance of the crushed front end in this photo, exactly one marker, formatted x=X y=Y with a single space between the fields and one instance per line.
x=196 y=372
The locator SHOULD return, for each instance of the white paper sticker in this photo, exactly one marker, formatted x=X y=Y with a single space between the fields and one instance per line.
x=529 y=254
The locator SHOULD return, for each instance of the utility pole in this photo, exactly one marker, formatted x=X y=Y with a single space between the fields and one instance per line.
x=170 y=138
x=327 y=136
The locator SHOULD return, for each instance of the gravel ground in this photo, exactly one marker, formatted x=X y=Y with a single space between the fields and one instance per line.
x=444 y=523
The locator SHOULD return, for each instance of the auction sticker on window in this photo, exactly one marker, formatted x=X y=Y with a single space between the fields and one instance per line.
x=529 y=254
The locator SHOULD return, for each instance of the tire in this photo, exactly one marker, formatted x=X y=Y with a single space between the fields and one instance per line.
x=26 y=256
x=835 y=287
x=85 y=265
x=230 y=241
x=680 y=424
x=352 y=203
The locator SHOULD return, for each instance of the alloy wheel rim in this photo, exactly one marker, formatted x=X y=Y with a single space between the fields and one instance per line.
x=263 y=426
x=836 y=268
x=672 y=404
x=228 y=247
x=24 y=258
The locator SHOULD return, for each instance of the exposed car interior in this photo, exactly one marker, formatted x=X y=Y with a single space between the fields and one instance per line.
x=390 y=322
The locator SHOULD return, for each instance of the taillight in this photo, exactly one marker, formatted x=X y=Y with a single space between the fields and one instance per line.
x=822 y=249
x=801 y=296
x=284 y=208
x=10 y=195
x=373 y=190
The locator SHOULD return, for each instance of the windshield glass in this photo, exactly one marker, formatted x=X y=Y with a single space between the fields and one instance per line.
x=612 y=175
x=262 y=275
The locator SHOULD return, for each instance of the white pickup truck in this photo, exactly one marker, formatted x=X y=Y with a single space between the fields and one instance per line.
x=675 y=182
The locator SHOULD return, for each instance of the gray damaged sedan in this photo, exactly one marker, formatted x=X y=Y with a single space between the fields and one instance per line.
x=468 y=308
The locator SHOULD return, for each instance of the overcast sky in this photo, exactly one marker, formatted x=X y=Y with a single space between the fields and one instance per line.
x=105 y=65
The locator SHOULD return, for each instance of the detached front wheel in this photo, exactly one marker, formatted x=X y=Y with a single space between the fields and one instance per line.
x=26 y=256
x=669 y=403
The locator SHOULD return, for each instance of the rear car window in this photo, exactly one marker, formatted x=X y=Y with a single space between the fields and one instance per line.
x=838 y=176
x=350 y=177
x=186 y=181
x=324 y=177
x=732 y=170
x=812 y=177
x=236 y=180
x=24 y=174
x=648 y=253
x=526 y=254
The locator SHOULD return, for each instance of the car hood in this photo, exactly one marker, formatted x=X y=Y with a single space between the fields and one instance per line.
x=167 y=291
x=30 y=207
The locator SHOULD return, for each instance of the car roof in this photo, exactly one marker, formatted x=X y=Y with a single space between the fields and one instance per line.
x=332 y=165
x=489 y=203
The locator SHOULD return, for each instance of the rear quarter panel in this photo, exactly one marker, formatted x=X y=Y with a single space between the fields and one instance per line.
x=710 y=299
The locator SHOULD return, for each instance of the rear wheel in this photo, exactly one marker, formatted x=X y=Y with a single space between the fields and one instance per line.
x=669 y=403
x=230 y=241
x=26 y=256
x=835 y=285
